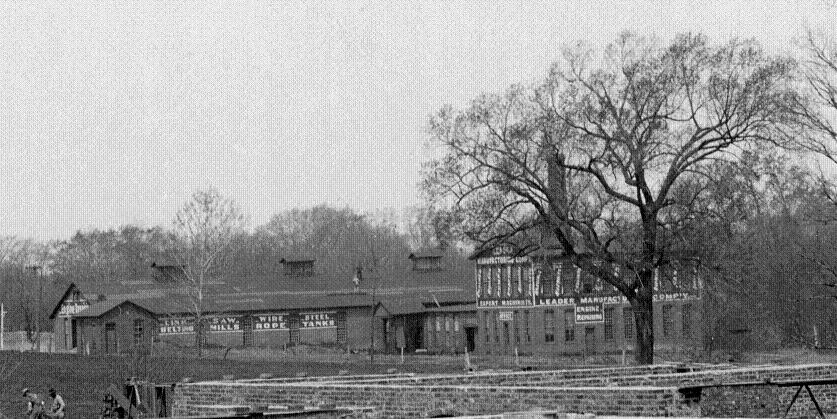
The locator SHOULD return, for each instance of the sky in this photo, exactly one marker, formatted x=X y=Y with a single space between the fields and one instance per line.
x=114 y=112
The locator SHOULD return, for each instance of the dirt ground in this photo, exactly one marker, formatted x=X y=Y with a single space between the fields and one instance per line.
x=82 y=380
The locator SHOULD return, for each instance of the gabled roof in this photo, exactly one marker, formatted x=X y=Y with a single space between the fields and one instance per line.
x=101 y=308
x=427 y=253
x=66 y=294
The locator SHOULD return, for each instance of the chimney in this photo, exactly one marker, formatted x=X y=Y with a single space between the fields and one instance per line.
x=556 y=179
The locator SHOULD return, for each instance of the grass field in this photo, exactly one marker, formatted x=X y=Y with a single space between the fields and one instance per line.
x=82 y=380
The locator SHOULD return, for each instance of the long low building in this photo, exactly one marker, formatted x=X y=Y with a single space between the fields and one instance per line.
x=304 y=305
x=505 y=301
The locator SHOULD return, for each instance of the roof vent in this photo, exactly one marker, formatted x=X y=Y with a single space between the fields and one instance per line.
x=298 y=266
x=426 y=261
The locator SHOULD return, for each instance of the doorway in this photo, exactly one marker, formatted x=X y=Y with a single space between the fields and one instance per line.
x=470 y=338
x=293 y=333
x=248 y=331
x=589 y=340
x=111 y=347
x=74 y=327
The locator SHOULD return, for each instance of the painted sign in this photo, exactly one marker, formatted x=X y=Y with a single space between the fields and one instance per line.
x=589 y=313
x=512 y=302
x=69 y=308
x=501 y=260
x=317 y=320
x=609 y=299
x=270 y=322
x=224 y=323
x=505 y=316
x=177 y=326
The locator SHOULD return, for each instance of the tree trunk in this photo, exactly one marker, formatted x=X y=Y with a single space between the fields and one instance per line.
x=199 y=335
x=643 y=309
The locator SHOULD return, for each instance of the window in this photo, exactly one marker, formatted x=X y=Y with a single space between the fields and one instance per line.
x=506 y=338
x=485 y=318
x=628 y=318
x=501 y=281
x=587 y=283
x=137 y=331
x=447 y=331
x=666 y=320
x=569 y=325
x=567 y=279
x=549 y=326
x=496 y=328
x=608 y=323
x=111 y=346
x=509 y=282
x=516 y=319
x=515 y=280
x=495 y=280
x=524 y=278
x=547 y=282
x=526 y=326
x=438 y=324
x=687 y=320
x=559 y=268
x=455 y=323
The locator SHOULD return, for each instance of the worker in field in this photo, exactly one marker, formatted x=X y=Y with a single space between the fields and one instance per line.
x=58 y=407
x=34 y=404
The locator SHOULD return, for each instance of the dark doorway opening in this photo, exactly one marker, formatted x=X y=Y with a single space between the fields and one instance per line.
x=74 y=326
x=471 y=338
x=590 y=340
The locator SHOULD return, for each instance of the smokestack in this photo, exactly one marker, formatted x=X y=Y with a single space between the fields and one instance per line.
x=556 y=179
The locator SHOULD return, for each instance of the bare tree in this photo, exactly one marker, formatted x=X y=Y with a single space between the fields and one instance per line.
x=820 y=107
x=610 y=154
x=22 y=264
x=204 y=228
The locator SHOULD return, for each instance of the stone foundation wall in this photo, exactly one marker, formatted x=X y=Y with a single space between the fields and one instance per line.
x=420 y=401
x=585 y=377
x=633 y=391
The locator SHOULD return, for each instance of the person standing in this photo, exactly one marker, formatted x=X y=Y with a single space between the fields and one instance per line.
x=58 y=407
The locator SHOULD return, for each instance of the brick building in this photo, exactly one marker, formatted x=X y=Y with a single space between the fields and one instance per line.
x=538 y=302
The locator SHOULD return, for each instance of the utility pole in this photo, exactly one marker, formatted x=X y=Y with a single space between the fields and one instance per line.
x=372 y=328
x=2 y=326
x=37 y=270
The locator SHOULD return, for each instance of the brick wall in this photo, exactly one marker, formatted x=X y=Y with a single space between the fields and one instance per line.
x=637 y=391
x=418 y=401
x=596 y=376
x=615 y=342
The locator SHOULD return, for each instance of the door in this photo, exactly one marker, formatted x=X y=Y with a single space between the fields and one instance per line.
x=248 y=331
x=294 y=329
x=341 y=327
x=471 y=338
x=589 y=340
x=110 y=338
x=74 y=326
x=387 y=325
